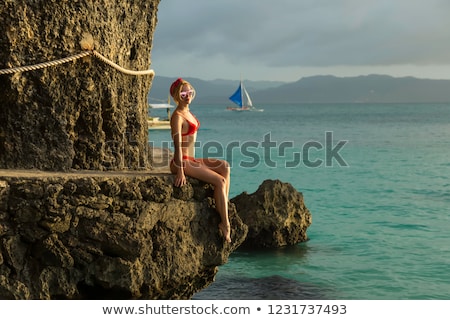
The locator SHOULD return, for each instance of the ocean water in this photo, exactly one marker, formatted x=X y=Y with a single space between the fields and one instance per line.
x=376 y=178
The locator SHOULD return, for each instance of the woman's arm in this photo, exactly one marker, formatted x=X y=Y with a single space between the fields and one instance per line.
x=176 y=125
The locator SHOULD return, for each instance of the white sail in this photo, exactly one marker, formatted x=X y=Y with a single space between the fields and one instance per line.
x=249 y=101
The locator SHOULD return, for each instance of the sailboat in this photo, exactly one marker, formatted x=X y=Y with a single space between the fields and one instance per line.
x=242 y=99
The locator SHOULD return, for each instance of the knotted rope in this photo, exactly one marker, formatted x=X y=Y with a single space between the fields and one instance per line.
x=87 y=43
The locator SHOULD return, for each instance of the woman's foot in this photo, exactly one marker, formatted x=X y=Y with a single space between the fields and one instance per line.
x=225 y=231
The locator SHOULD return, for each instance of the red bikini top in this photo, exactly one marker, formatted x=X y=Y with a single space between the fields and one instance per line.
x=193 y=127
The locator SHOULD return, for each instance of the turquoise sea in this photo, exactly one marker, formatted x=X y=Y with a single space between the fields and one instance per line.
x=376 y=178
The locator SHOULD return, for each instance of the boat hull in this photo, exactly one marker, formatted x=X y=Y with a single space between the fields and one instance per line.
x=239 y=108
x=244 y=109
x=156 y=124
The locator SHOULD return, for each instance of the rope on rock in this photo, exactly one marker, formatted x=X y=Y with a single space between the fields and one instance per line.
x=45 y=64
x=86 y=43
x=123 y=70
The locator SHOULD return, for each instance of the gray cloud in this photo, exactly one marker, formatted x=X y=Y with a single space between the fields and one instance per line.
x=304 y=33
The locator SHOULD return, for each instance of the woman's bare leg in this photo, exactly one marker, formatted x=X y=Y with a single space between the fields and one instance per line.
x=210 y=171
x=222 y=167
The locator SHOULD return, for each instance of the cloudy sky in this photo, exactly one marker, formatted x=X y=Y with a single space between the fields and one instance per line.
x=289 y=39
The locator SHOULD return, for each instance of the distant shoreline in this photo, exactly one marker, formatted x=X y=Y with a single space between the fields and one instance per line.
x=320 y=89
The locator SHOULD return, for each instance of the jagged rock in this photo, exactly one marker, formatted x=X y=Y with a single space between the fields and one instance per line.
x=275 y=214
x=82 y=114
x=116 y=236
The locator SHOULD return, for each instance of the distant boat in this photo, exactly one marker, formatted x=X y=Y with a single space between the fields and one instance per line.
x=161 y=105
x=155 y=123
x=242 y=99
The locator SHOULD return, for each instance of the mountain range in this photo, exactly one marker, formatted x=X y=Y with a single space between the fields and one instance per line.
x=316 y=89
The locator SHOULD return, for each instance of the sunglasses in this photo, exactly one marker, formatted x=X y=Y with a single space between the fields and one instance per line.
x=184 y=94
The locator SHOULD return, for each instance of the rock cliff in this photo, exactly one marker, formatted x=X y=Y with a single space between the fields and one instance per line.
x=83 y=114
x=83 y=214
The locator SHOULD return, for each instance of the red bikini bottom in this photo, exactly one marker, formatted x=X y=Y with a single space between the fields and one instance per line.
x=187 y=158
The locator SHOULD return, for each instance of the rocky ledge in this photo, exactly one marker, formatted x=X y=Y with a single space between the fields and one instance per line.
x=126 y=236
x=86 y=236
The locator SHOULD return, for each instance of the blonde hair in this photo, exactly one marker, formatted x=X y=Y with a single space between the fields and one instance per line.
x=176 y=87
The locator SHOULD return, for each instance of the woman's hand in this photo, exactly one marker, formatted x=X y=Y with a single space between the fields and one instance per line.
x=180 y=179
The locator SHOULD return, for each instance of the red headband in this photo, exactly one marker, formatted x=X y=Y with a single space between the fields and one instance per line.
x=174 y=85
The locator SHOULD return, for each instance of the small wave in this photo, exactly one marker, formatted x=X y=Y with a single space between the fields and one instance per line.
x=403 y=226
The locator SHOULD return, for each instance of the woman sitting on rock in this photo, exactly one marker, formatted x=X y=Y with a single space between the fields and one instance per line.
x=184 y=126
